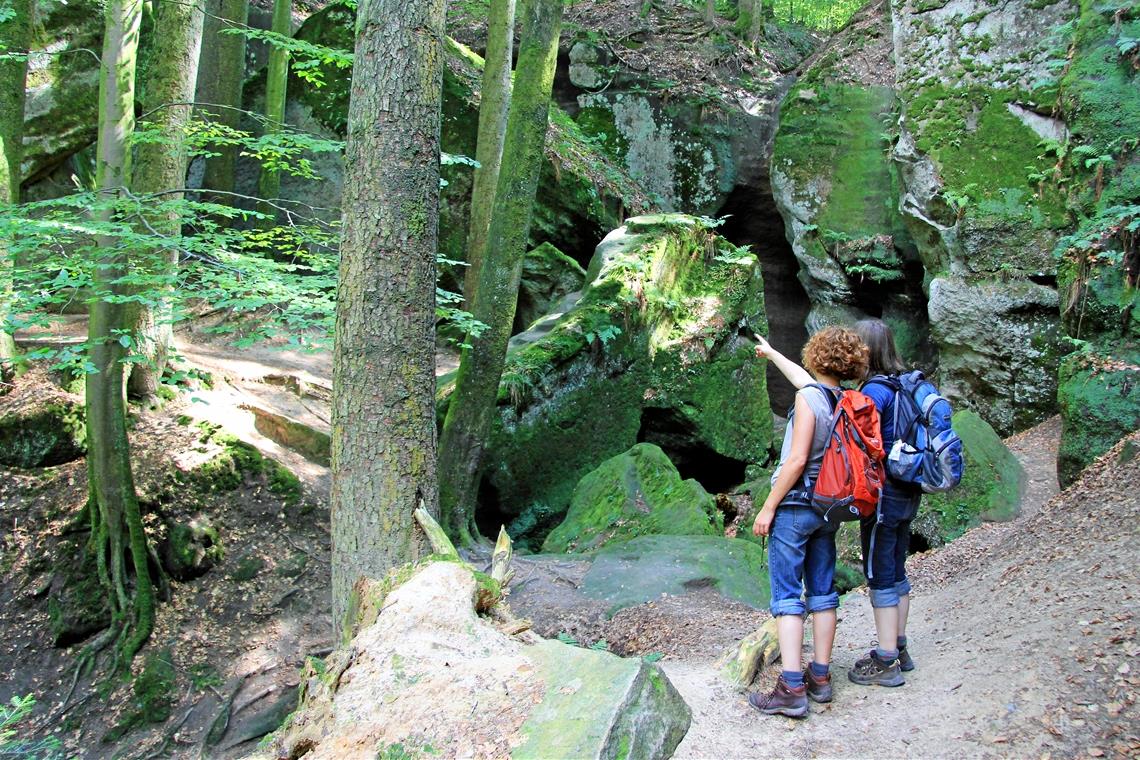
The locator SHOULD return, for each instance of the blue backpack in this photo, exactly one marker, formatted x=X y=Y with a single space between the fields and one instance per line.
x=928 y=453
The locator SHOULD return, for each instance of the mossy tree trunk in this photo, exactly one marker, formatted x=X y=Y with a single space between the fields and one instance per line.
x=472 y=405
x=494 y=102
x=117 y=529
x=383 y=426
x=751 y=12
x=277 y=77
x=161 y=167
x=15 y=36
x=223 y=63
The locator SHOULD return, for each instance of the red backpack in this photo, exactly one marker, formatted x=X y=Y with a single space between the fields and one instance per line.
x=851 y=476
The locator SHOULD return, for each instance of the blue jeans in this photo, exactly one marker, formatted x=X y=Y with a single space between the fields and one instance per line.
x=801 y=562
x=886 y=540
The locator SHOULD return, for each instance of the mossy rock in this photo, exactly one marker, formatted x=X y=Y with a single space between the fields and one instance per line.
x=43 y=433
x=191 y=548
x=636 y=493
x=153 y=695
x=248 y=567
x=238 y=462
x=548 y=275
x=1100 y=405
x=642 y=569
x=656 y=332
x=598 y=705
x=993 y=483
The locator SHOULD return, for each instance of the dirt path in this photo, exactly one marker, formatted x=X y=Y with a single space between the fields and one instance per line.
x=1023 y=635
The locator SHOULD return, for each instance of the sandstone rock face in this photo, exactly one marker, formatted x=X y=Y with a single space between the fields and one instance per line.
x=997 y=348
x=548 y=276
x=41 y=428
x=652 y=351
x=635 y=493
x=431 y=676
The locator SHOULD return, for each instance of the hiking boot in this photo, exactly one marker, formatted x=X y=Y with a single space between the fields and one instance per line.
x=871 y=671
x=782 y=700
x=906 y=664
x=818 y=687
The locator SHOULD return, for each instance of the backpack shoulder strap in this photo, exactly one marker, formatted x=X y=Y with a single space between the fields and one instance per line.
x=829 y=393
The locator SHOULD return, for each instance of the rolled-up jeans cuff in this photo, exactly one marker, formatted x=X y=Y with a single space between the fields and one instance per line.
x=902 y=588
x=825 y=602
x=786 y=607
x=884 y=597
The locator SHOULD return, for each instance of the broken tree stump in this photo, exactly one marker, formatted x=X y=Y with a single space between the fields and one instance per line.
x=757 y=650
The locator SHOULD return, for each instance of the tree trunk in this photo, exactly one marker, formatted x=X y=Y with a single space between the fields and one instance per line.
x=383 y=437
x=472 y=404
x=277 y=77
x=710 y=11
x=15 y=36
x=117 y=524
x=494 y=102
x=161 y=167
x=223 y=63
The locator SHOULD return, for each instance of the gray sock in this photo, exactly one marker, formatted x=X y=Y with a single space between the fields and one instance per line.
x=887 y=655
x=902 y=643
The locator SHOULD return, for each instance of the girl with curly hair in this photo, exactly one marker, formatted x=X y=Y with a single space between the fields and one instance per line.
x=801 y=552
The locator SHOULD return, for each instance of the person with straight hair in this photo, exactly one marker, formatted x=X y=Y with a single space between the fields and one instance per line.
x=886 y=536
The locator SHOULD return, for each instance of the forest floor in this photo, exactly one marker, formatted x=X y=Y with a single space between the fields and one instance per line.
x=1024 y=632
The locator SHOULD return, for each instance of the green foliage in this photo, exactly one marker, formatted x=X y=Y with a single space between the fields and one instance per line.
x=153 y=695
x=12 y=743
x=827 y=15
x=310 y=62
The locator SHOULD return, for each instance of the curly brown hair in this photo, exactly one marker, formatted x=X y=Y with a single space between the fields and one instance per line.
x=838 y=352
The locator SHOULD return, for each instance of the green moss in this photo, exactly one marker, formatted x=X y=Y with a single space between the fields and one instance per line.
x=992 y=484
x=153 y=695
x=43 y=435
x=191 y=548
x=238 y=460
x=1099 y=405
x=77 y=607
x=292 y=566
x=248 y=567
x=635 y=493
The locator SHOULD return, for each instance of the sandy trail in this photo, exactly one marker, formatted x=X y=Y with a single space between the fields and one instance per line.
x=993 y=629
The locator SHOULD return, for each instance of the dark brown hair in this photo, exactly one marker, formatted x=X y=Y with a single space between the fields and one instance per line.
x=838 y=352
x=884 y=359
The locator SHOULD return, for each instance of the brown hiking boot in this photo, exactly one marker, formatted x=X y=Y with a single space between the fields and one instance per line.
x=906 y=664
x=871 y=671
x=818 y=687
x=782 y=700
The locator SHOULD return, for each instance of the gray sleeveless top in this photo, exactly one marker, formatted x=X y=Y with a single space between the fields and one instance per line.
x=821 y=407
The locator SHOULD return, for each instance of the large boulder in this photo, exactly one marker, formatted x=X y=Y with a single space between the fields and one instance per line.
x=635 y=493
x=430 y=675
x=41 y=426
x=653 y=351
x=991 y=489
x=642 y=569
x=548 y=276
x=1100 y=403
x=999 y=348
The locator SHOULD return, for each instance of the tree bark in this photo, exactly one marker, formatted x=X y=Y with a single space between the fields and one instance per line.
x=15 y=36
x=710 y=12
x=753 y=10
x=161 y=167
x=383 y=437
x=472 y=405
x=223 y=60
x=277 y=77
x=494 y=102
x=116 y=521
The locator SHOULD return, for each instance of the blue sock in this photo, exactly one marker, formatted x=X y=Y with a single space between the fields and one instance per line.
x=793 y=678
x=902 y=642
x=817 y=670
x=886 y=655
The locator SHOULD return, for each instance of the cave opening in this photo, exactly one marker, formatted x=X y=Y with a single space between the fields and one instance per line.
x=693 y=458
x=753 y=220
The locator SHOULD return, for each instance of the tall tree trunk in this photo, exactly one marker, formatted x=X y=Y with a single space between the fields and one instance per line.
x=161 y=167
x=752 y=11
x=494 y=102
x=277 y=77
x=224 y=63
x=472 y=404
x=15 y=36
x=710 y=11
x=383 y=440
x=118 y=530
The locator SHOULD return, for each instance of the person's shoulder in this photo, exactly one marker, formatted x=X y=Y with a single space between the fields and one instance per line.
x=880 y=390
